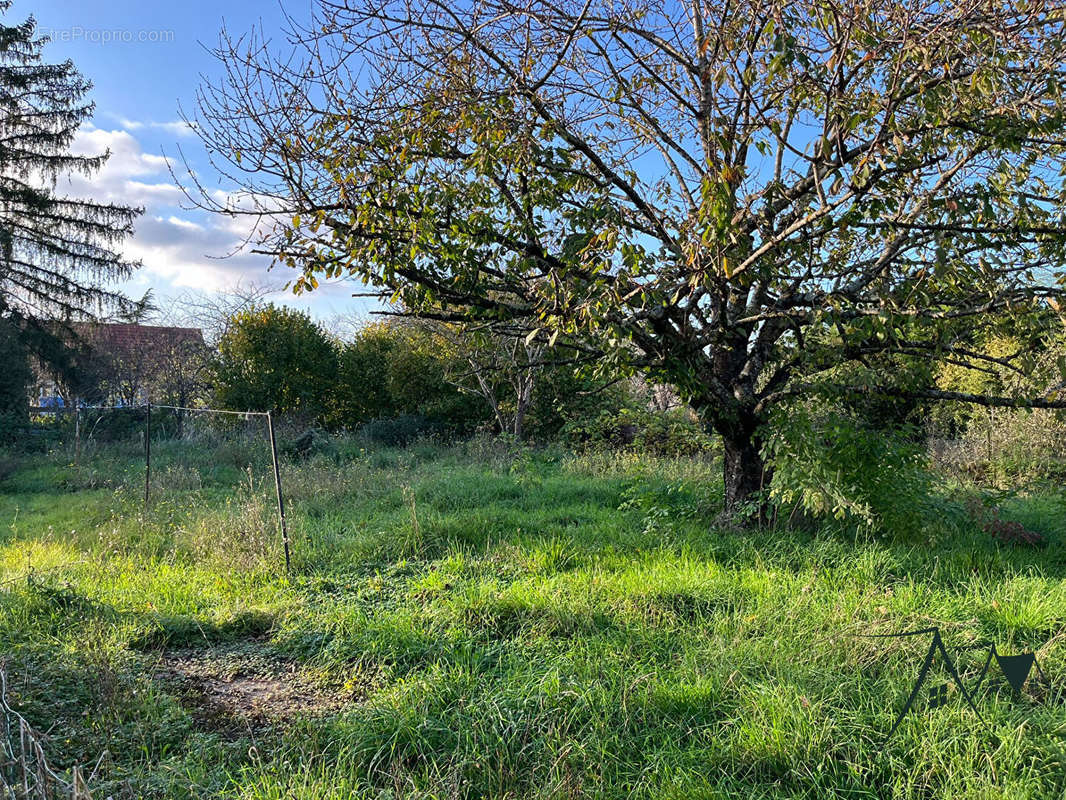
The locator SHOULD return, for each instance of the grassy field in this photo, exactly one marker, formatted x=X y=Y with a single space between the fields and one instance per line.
x=482 y=622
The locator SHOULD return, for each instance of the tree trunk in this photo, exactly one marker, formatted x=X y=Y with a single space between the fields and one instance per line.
x=519 y=419
x=745 y=473
x=522 y=401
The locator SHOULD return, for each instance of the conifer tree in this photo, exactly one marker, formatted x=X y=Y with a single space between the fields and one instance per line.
x=58 y=259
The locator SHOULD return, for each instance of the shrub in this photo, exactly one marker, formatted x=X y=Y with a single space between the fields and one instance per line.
x=14 y=429
x=669 y=433
x=608 y=429
x=114 y=425
x=312 y=442
x=1007 y=447
x=989 y=518
x=829 y=466
x=564 y=400
x=672 y=433
x=362 y=391
x=275 y=359
x=399 y=370
x=8 y=465
x=399 y=431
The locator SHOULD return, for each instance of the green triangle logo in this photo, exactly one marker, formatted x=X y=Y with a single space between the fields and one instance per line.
x=1016 y=669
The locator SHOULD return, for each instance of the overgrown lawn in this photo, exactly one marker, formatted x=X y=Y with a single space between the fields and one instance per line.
x=478 y=621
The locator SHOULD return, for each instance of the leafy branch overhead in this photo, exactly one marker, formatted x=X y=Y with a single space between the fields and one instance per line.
x=738 y=198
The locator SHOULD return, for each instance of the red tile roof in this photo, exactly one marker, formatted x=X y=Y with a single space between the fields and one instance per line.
x=114 y=337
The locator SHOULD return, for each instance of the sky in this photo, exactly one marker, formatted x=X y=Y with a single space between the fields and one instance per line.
x=146 y=59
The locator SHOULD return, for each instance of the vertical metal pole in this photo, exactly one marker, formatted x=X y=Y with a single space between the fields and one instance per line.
x=77 y=432
x=277 y=487
x=988 y=454
x=147 y=451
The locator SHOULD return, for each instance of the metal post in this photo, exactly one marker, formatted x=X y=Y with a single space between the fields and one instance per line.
x=277 y=487
x=147 y=451
x=77 y=431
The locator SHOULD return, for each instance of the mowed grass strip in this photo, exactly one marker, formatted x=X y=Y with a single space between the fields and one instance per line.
x=513 y=624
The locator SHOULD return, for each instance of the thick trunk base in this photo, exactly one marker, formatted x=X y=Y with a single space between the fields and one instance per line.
x=746 y=475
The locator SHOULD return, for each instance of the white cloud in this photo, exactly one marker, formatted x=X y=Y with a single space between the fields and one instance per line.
x=153 y=192
x=130 y=175
x=188 y=225
x=177 y=127
x=177 y=246
x=186 y=254
x=182 y=248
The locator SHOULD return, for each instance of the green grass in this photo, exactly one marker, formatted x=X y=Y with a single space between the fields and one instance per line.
x=512 y=624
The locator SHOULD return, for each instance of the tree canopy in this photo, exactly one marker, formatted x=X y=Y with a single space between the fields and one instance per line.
x=736 y=197
x=274 y=359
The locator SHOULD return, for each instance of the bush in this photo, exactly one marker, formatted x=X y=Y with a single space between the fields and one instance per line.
x=986 y=515
x=312 y=442
x=8 y=465
x=829 y=466
x=397 y=371
x=14 y=429
x=1003 y=447
x=115 y=425
x=275 y=359
x=672 y=433
x=669 y=433
x=362 y=391
x=399 y=431
x=564 y=400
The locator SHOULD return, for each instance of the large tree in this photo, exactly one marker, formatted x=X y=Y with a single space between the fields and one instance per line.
x=738 y=197
x=57 y=261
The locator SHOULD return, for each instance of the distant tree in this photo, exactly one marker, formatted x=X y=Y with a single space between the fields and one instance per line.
x=400 y=368
x=1023 y=356
x=362 y=391
x=15 y=381
x=164 y=367
x=502 y=369
x=736 y=197
x=124 y=373
x=460 y=379
x=275 y=359
x=212 y=312
x=184 y=374
x=568 y=397
x=56 y=252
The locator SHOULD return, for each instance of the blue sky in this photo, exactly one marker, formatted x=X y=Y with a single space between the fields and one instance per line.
x=145 y=60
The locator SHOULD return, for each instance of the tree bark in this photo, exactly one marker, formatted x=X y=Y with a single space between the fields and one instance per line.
x=520 y=416
x=745 y=473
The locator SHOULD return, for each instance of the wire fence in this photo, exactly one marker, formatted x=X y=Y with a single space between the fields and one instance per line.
x=25 y=770
x=146 y=409
x=25 y=773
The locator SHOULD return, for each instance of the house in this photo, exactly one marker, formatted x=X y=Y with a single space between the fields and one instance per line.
x=128 y=364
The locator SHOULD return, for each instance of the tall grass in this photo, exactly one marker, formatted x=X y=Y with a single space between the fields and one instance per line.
x=514 y=623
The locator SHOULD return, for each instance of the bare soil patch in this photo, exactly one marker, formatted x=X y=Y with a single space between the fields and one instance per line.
x=242 y=687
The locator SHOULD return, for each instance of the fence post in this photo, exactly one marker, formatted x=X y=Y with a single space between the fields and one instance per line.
x=277 y=487
x=77 y=431
x=147 y=451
